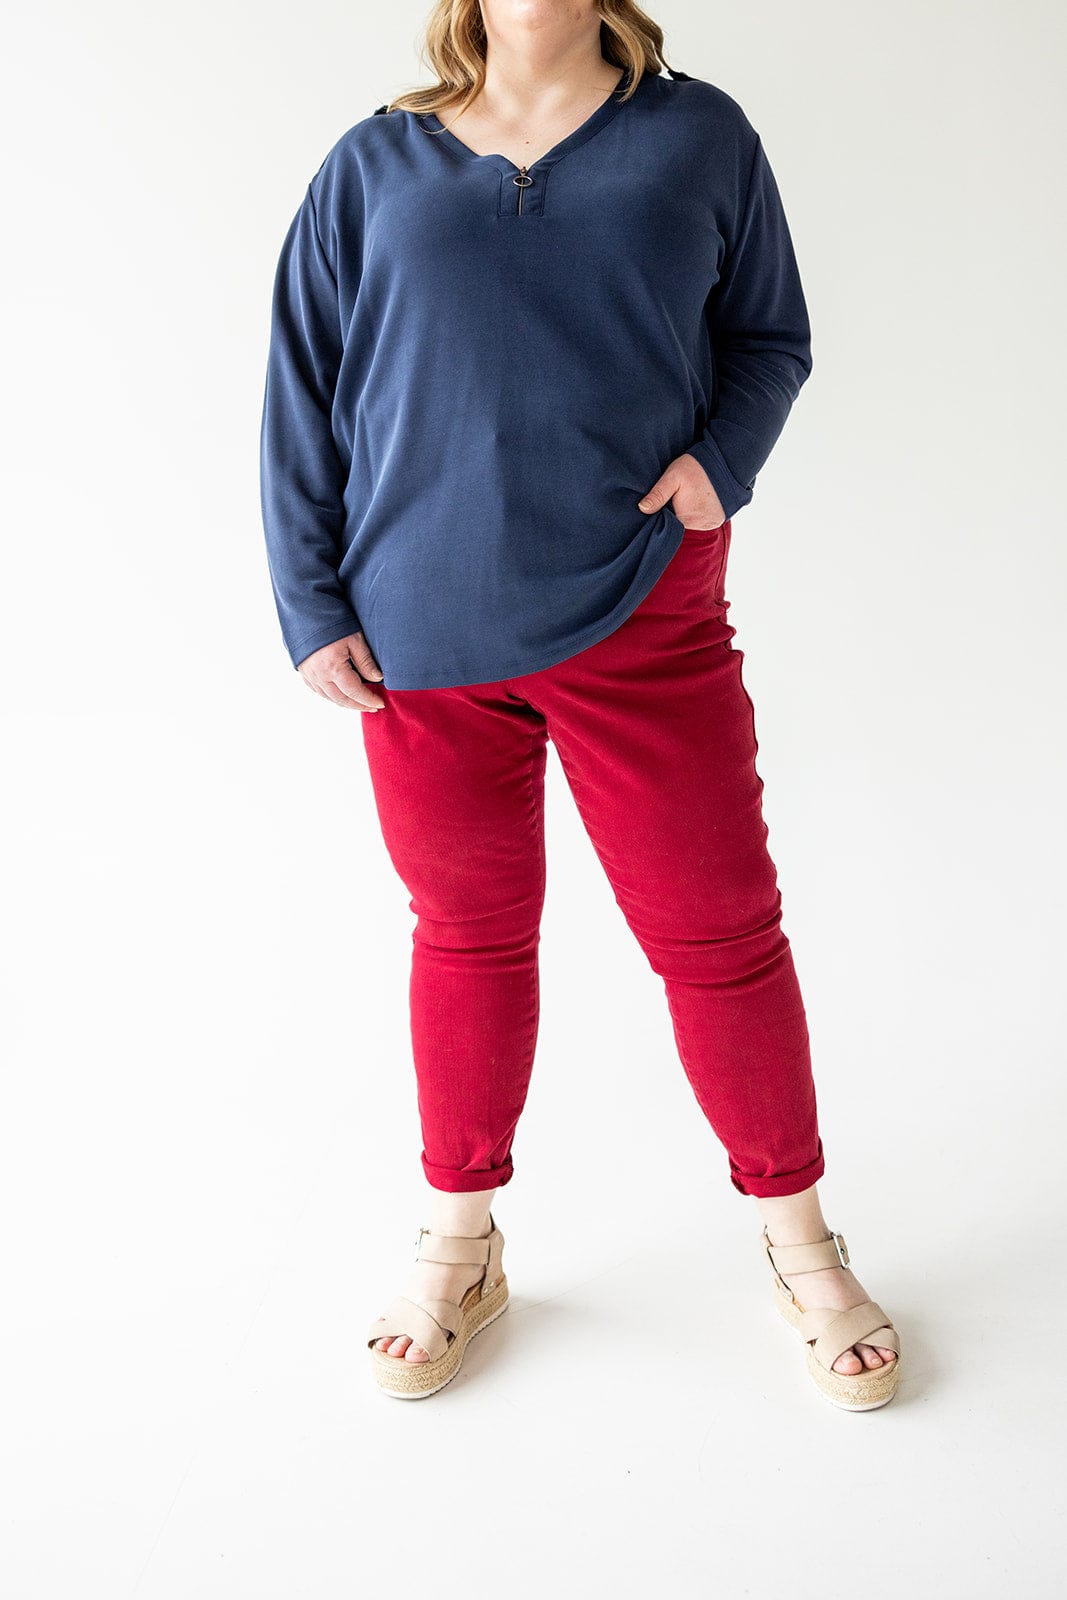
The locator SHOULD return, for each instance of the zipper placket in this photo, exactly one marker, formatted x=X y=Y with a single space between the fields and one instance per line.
x=522 y=180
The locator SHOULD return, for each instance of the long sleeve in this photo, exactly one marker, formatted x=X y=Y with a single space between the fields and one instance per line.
x=761 y=343
x=301 y=474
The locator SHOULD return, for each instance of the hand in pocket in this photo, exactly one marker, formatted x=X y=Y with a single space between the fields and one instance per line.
x=691 y=491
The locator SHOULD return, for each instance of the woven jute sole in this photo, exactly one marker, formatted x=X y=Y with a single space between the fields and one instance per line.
x=414 y=1380
x=862 y=1391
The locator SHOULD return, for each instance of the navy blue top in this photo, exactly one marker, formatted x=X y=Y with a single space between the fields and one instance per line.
x=471 y=382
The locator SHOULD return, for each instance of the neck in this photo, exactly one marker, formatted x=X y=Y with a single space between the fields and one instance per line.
x=530 y=78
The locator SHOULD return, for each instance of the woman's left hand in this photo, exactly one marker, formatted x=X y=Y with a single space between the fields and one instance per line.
x=698 y=506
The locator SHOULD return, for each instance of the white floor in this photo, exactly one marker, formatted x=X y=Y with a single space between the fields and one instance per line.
x=221 y=1437
x=210 y=1185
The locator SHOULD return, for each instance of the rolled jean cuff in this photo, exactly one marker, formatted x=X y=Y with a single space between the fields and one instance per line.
x=780 y=1182
x=466 y=1181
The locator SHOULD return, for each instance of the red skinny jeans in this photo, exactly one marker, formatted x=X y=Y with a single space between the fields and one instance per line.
x=655 y=734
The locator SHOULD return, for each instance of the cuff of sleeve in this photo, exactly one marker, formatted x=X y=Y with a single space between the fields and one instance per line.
x=733 y=495
x=327 y=633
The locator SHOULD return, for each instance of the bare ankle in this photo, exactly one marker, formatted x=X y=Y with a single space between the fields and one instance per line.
x=465 y=1215
x=794 y=1218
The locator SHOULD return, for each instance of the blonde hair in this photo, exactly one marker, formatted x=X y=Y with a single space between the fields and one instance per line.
x=454 y=46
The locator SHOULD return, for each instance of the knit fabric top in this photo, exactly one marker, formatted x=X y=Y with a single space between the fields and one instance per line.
x=472 y=380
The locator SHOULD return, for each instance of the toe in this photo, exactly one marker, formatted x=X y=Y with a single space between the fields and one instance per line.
x=401 y=1345
x=849 y=1364
x=869 y=1355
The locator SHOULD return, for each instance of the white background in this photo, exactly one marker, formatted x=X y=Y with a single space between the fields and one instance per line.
x=209 y=1156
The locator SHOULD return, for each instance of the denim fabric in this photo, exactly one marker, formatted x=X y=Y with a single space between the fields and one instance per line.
x=655 y=733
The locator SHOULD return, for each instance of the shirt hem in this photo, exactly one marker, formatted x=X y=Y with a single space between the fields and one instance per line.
x=584 y=639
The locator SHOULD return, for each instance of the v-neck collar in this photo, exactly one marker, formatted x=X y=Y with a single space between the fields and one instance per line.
x=592 y=124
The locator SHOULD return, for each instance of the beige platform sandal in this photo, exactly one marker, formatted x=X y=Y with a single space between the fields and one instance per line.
x=443 y=1328
x=828 y=1333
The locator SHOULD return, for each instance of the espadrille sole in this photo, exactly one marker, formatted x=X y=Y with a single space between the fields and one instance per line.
x=860 y=1391
x=414 y=1380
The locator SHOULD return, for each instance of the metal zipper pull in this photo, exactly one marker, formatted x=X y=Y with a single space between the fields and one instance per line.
x=523 y=180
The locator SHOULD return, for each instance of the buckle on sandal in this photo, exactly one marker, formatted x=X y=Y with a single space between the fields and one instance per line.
x=841 y=1247
x=418 y=1242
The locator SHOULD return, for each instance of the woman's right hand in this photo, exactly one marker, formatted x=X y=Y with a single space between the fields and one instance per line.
x=337 y=672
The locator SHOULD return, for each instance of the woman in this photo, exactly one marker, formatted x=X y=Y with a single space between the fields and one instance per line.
x=535 y=329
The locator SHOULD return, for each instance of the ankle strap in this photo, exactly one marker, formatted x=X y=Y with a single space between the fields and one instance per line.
x=451 y=1249
x=810 y=1257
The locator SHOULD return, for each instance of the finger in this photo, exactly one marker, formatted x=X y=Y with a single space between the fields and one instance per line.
x=366 y=665
x=347 y=688
x=661 y=492
x=657 y=496
x=351 y=685
x=330 y=691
